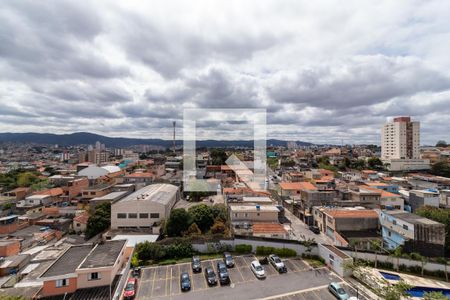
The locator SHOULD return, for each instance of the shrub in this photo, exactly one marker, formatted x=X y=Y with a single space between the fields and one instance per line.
x=243 y=248
x=168 y=262
x=283 y=252
x=178 y=250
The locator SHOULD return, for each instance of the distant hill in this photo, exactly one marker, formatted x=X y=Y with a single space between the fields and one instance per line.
x=86 y=138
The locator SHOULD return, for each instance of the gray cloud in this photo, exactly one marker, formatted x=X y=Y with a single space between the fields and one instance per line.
x=130 y=69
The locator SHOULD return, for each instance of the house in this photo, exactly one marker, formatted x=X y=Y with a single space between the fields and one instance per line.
x=375 y=198
x=293 y=189
x=348 y=225
x=13 y=264
x=108 y=198
x=84 y=266
x=10 y=224
x=253 y=213
x=419 y=198
x=140 y=179
x=414 y=233
x=145 y=207
x=79 y=223
x=18 y=193
x=272 y=230
x=391 y=188
x=9 y=247
x=96 y=191
x=444 y=199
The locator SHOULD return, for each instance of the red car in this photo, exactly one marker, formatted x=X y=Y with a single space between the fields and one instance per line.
x=130 y=289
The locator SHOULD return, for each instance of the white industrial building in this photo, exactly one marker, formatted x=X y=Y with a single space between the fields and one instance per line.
x=145 y=207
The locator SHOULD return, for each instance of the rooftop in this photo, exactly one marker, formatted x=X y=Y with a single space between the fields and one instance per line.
x=410 y=218
x=69 y=261
x=268 y=228
x=252 y=208
x=351 y=213
x=110 y=196
x=297 y=186
x=159 y=193
x=103 y=255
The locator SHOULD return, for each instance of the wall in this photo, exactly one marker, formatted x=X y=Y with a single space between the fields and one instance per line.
x=401 y=261
x=259 y=241
x=10 y=249
x=49 y=287
x=335 y=260
x=84 y=282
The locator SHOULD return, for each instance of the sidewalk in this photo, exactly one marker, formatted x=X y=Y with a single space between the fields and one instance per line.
x=362 y=290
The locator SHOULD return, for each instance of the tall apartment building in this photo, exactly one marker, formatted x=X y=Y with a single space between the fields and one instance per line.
x=400 y=145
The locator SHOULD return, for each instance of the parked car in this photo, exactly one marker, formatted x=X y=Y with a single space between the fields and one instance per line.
x=185 y=281
x=257 y=269
x=210 y=276
x=276 y=262
x=224 y=278
x=228 y=260
x=196 y=264
x=314 y=229
x=129 y=291
x=264 y=261
x=137 y=272
x=337 y=291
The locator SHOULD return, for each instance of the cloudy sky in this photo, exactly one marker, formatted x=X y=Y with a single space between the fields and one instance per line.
x=324 y=72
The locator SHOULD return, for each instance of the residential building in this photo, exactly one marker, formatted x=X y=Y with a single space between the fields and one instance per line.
x=140 y=179
x=272 y=230
x=444 y=199
x=348 y=226
x=9 y=247
x=79 y=223
x=253 y=213
x=419 y=198
x=400 y=143
x=414 y=233
x=96 y=191
x=84 y=266
x=145 y=207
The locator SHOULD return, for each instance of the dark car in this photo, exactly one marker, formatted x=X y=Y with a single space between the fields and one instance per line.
x=210 y=276
x=314 y=229
x=224 y=278
x=137 y=272
x=196 y=264
x=185 y=281
x=228 y=260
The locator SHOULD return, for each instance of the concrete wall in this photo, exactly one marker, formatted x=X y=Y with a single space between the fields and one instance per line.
x=300 y=249
x=430 y=266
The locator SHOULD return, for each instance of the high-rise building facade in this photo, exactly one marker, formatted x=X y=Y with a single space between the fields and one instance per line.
x=400 y=139
x=400 y=145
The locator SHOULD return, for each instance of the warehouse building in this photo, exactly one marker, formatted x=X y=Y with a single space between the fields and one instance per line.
x=145 y=207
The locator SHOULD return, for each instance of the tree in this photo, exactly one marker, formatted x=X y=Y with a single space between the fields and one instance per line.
x=434 y=296
x=376 y=246
x=443 y=260
x=218 y=156
x=440 y=215
x=202 y=215
x=441 y=143
x=395 y=291
x=193 y=230
x=358 y=164
x=218 y=227
x=26 y=179
x=397 y=253
x=178 y=222
x=149 y=251
x=220 y=211
x=375 y=163
x=441 y=168
x=99 y=221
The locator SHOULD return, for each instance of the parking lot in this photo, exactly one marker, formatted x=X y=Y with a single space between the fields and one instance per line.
x=163 y=282
x=320 y=293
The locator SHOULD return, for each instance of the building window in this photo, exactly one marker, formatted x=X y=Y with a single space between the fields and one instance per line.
x=121 y=216
x=394 y=222
x=143 y=216
x=62 y=282
x=94 y=276
x=405 y=227
x=132 y=216
x=258 y=214
x=154 y=216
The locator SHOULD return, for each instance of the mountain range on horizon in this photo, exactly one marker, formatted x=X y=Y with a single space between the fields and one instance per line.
x=87 y=138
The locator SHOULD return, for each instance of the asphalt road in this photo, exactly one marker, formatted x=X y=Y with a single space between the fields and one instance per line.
x=301 y=230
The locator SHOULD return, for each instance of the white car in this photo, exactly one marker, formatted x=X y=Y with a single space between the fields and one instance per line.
x=257 y=269
x=276 y=262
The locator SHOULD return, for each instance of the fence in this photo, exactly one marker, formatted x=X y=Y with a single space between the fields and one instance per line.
x=123 y=279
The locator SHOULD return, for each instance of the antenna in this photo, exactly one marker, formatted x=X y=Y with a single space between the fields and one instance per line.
x=174 y=126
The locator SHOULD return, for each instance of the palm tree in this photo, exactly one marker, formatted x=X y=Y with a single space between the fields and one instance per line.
x=397 y=253
x=376 y=246
x=443 y=261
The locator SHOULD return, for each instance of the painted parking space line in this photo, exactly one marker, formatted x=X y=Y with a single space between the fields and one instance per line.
x=235 y=275
x=300 y=264
x=161 y=273
x=291 y=266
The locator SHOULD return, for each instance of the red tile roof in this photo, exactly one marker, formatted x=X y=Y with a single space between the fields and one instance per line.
x=303 y=185
x=349 y=213
x=82 y=218
x=52 y=192
x=268 y=228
